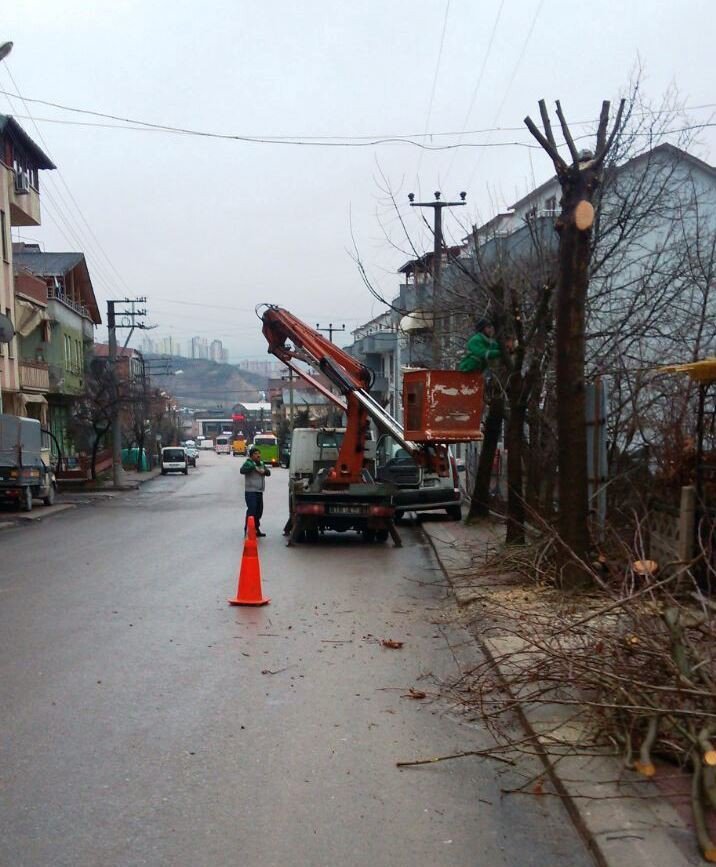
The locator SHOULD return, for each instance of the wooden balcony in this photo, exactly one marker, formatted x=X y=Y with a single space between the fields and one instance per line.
x=34 y=376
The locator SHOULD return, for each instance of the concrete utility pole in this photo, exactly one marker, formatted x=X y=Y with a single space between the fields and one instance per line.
x=128 y=321
x=437 y=207
x=331 y=328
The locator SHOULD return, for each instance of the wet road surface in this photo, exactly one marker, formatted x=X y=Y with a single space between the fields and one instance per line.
x=145 y=722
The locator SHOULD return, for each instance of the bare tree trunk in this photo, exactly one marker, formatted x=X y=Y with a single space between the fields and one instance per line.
x=480 y=503
x=574 y=251
x=579 y=181
x=513 y=443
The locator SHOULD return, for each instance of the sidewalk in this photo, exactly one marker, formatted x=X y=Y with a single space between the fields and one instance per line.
x=132 y=481
x=618 y=826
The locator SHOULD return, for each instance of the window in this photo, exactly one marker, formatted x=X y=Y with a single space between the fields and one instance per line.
x=551 y=204
x=68 y=352
x=13 y=343
x=3 y=232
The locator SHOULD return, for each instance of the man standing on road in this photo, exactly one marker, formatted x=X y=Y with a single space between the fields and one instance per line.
x=254 y=472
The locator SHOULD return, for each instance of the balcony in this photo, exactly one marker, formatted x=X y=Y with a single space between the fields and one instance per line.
x=55 y=293
x=24 y=200
x=34 y=376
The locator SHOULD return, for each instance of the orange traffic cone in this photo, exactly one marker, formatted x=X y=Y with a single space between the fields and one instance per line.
x=249 y=589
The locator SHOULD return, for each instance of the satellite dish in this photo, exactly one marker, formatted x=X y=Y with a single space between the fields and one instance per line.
x=7 y=332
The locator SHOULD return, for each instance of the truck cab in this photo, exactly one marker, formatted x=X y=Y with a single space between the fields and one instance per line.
x=24 y=475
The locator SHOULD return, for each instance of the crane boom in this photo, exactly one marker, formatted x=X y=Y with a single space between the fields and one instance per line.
x=291 y=340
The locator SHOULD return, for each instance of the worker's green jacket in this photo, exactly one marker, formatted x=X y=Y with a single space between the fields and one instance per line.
x=481 y=349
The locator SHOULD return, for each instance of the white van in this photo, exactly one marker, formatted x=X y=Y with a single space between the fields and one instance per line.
x=174 y=460
x=223 y=445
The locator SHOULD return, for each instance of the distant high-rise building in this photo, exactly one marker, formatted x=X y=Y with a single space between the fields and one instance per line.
x=199 y=347
x=216 y=351
x=168 y=346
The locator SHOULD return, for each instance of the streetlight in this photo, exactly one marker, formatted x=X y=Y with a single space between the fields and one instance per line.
x=5 y=49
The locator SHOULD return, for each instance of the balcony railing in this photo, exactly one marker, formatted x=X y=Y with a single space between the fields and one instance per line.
x=53 y=293
x=34 y=375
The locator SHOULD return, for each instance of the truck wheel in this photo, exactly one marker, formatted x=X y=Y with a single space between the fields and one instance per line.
x=454 y=513
x=398 y=516
x=26 y=499
x=381 y=535
x=49 y=500
x=312 y=535
x=368 y=535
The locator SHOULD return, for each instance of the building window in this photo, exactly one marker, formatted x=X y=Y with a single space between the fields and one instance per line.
x=551 y=204
x=3 y=232
x=13 y=343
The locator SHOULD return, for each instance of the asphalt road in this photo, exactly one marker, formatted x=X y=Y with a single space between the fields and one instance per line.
x=144 y=721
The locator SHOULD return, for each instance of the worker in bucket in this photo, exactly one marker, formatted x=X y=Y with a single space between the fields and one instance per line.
x=254 y=471
x=482 y=348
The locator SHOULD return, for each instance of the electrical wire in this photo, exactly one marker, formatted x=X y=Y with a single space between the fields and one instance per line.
x=511 y=79
x=62 y=210
x=329 y=140
x=478 y=82
x=433 y=88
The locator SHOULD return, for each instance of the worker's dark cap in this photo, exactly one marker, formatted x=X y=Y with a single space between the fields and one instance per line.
x=482 y=323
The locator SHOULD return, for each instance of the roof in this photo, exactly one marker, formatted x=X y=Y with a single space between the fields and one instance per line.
x=425 y=260
x=101 y=350
x=665 y=148
x=45 y=264
x=59 y=265
x=11 y=128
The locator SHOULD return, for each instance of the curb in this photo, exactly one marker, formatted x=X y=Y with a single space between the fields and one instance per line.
x=36 y=515
x=616 y=830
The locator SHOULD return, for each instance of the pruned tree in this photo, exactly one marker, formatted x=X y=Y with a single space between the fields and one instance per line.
x=579 y=181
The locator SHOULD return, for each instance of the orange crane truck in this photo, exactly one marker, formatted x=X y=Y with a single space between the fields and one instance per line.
x=345 y=496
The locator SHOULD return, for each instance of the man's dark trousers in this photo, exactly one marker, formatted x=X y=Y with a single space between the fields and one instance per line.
x=254 y=508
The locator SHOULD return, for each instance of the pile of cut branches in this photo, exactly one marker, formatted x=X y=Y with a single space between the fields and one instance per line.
x=632 y=664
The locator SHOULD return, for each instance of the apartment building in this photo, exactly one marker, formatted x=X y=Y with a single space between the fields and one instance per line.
x=72 y=313
x=21 y=162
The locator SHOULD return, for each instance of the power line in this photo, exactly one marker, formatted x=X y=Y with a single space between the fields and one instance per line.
x=325 y=140
x=65 y=211
x=434 y=86
x=478 y=82
x=516 y=66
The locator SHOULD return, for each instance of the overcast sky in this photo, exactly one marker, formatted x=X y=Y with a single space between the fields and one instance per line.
x=207 y=228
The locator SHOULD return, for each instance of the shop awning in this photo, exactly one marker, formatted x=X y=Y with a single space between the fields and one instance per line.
x=34 y=398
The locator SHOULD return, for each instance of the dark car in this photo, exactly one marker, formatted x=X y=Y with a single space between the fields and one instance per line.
x=416 y=491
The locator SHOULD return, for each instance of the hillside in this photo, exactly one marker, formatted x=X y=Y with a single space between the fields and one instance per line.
x=205 y=384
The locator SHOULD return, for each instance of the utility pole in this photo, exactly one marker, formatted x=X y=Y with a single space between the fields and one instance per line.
x=128 y=321
x=437 y=207
x=331 y=328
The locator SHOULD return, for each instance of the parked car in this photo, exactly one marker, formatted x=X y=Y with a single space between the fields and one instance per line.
x=174 y=460
x=416 y=490
x=192 y=453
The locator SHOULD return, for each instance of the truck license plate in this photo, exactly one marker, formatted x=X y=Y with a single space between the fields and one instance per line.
x=345 y=510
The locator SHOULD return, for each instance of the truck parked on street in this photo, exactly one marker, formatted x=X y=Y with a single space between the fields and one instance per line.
x=343 y=490
x=24 y=475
